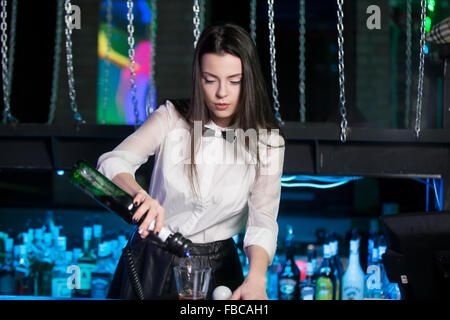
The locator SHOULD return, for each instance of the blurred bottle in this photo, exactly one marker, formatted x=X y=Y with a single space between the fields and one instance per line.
x=272 y=279
x=289 y=274
x=96 y=235
x=59 y=286
x=103 y=273
x=22 y=272
x=7 y=281
x=308 y=286
x=43 y=266
x=325 y=283
x=336 y=265
x=86 y=263
x=390 y=290
x=353 y=278
x=372 y=288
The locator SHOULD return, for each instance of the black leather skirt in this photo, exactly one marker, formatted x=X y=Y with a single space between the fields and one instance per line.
x=154 y=268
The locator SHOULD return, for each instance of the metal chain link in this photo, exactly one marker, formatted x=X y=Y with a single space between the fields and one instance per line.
x=12 y=43
x=408 y=61
x=107 y=62
x=196 y=20
x=343 y=110
x=273 y=65
x=150 y=101
x=421 y=68
x=131 y=43
x=301 y=65
x=56 y=60
x=69 y=57
x=7 y=117
x=253 y=20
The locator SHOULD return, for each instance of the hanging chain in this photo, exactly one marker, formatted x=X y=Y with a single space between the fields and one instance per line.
x=408 y=61
x=343 y=110
x=12 y=44
x=131 y=53
x=69 y=57
x=301 y=66
x=56 y=60
x=107 y=62
x=7 y=117
x=273 y=65
x=150 y=101
x=421 y=68
x=196 y=20
x=253 y=20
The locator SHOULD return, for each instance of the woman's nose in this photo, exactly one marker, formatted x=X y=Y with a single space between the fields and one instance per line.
x=221 y=91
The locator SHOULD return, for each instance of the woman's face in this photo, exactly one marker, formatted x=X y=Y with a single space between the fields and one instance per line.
x=221 y=77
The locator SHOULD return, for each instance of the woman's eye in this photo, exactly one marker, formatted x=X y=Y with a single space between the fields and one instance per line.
x=208 y=81
x=236 y=82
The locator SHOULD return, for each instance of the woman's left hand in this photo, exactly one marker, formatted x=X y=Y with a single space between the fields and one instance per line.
x=251 y=289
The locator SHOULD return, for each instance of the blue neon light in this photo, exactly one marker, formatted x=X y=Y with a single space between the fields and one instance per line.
x=305 y=181
x=60 y=172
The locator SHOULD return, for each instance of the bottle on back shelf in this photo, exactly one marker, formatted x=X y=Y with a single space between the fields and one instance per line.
x=43 y=266
x=336 y=264
x=325 y=283
x=7 y=281
x=353 y=278
x=289 y=274
x=103 y=273
x=372 y=287
x=96 y=235
x=308 y=286
x=59 y=275
x=22 y=272
x=390 y=290
x=86 y=263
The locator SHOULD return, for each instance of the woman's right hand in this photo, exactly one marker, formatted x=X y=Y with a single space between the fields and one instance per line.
x=151 y=207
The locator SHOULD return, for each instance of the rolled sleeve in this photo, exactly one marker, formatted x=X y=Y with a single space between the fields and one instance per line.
x=264 y=200
x=135 y=150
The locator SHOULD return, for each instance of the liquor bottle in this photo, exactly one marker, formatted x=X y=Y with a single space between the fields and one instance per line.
x=59 y=275
x=44 y=265
x=336 y=265
x=103 y=273
x=86 y=263
x=307 y=286
x=372 y=288
x=96 y=235
x=289 y=274
x=119 y=202
x=312 y=255
x=325 y=283
x=390 y=290
x=7 y=282
x=353 y=278
x=272 y=278
x=22 y=274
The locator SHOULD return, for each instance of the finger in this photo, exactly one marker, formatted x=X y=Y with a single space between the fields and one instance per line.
x=141 y=211
x=143 y=228
x=236 y=294
x=140 y=197
x=159 y=220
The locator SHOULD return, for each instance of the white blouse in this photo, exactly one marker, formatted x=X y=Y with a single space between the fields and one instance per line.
x=231 y=197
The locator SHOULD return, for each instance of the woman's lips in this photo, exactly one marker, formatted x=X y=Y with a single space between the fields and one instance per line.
x=222 y=106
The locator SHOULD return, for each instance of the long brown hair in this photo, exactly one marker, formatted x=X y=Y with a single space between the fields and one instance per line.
x=254 y=110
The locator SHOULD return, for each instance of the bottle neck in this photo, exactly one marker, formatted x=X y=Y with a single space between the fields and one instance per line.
x=354 y=253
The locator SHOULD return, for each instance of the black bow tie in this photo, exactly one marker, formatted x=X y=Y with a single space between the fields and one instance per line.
x=228 y=135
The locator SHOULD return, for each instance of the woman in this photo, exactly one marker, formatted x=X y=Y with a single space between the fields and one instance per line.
x=204 y=186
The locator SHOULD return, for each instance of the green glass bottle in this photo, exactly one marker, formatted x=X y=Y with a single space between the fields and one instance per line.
x=113 y=198
x=103 y=190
